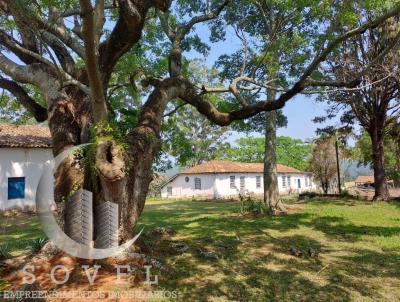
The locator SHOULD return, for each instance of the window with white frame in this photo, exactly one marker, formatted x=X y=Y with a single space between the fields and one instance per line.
x=232 y=182
x=284 y=181
x=289 y=181
x=242 y=183
x=258 y=182
x=169 y=191
x=197 y=183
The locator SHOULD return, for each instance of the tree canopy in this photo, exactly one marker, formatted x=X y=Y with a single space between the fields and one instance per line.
x=291 y=152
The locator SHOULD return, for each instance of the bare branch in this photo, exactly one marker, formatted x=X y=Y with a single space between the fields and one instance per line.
x=66 y=60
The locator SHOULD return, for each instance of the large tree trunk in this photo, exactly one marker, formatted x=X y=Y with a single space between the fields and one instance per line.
x=122 y=175
x=271 y=190
x=381 y=188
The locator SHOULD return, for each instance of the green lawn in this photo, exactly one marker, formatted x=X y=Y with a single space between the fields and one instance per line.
x=17 y=230
x=358 y=247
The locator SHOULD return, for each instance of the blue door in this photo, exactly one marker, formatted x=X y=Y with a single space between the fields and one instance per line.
x=299 y=183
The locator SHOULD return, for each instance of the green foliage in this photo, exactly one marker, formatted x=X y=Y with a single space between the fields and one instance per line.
x=191 y=138
x=307 y=195
x=291 y=152
x=187 y=135
x=250 y=205
x=5 y=251
x=11 y=111
x=362 y=152
x=36 y=245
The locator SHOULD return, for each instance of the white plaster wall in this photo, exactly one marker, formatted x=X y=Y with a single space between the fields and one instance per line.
x=218 y=185
x=182 y=188
x=224 y=184
x=22 y=162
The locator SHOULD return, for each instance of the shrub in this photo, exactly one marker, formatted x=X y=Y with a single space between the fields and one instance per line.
x=251 y=205
x=307 y=195
x=5 y=251
x=346 y=194
x=36 y=245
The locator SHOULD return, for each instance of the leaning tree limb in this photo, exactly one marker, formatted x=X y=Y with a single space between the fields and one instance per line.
x=39 y=112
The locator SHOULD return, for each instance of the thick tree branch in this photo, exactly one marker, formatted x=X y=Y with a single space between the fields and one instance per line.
x=39 y=113
x=91 y=35
x=186 y=91
x=22 y=74
x=66 y=60
x=17 y=48
x=29 y=40
x=62 y=33
x=127 y=32
x=22 y=52
x=35 y=74
x=28 y=23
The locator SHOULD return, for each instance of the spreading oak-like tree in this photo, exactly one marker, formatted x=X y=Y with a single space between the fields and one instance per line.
x=72 y=51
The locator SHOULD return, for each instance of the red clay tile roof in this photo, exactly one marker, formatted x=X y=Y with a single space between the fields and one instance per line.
x=25 y=136
x=225 y=166
x=364 y=179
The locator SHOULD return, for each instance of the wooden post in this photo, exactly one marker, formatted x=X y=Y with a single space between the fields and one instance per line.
x=338 y=166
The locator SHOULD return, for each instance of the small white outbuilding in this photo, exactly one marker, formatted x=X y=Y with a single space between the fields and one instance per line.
x=226 y=179
x=23 y=152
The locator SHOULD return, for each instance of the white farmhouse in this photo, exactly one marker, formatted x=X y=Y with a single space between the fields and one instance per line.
x=23 y=151
x=226 y=179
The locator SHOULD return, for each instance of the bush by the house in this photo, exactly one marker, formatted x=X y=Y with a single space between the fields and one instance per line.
x=250 y=205
x=308 y=195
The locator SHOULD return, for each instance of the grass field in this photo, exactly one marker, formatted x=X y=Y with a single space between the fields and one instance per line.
x=17 y=230
x=358 y=247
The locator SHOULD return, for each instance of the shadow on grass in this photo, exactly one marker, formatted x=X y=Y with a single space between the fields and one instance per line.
x=258 y=266
x=340 y=228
